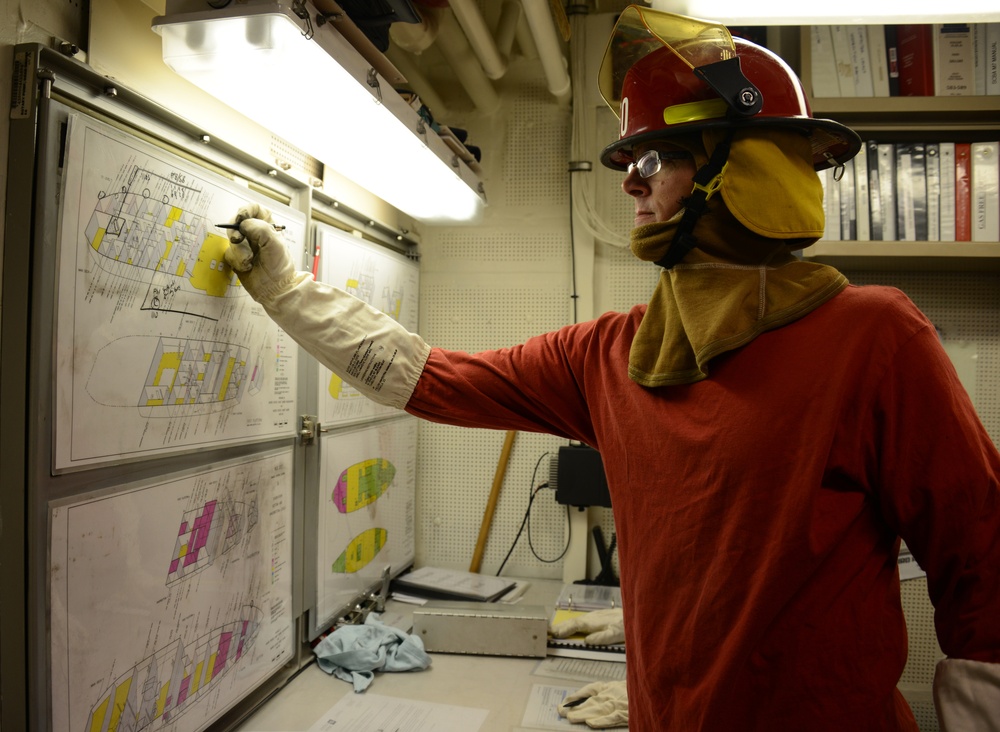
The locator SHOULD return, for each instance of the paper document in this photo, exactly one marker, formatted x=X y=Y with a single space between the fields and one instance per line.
x=580 y=669
x=375 y=712
x=541 y=712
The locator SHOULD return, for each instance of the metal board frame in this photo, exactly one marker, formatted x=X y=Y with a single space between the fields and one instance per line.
x=48 y=88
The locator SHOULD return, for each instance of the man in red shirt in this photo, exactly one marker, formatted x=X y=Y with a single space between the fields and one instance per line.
x=769 y=431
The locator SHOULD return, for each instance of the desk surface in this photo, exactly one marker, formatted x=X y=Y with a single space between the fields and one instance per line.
x=500 y=685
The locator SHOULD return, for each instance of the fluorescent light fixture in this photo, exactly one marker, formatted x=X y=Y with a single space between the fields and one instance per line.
x=313 y=90
x=796 y=12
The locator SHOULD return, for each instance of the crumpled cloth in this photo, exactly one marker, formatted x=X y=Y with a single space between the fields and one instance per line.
x=355 y=652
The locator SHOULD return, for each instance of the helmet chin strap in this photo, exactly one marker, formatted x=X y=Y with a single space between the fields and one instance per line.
x=707 y=181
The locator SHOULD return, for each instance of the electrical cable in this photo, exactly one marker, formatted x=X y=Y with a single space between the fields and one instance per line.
x=575 y=296
x=525 y=521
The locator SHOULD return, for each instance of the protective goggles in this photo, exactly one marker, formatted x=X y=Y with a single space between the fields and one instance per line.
x=651 y=161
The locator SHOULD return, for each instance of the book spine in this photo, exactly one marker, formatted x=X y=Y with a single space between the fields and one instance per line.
x=877 y=213
x=891 y=36
x=954 y=67
x=985 y=181
x=864 y=84
x=963 y=198
x=845 y=62
x=918 y=182
x=906 y=221
x=879 y=61
x=932 y=160
x=993 y=58
x=887 y=188
x=946 y=153
x=825 y=82
x=862 y=198
x=979 y=58
x=916 y=60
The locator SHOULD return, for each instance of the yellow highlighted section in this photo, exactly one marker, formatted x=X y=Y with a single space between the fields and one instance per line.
x=336 y=387
x=196 y=680
x=97 y=718
x=98 y=238
x=226 y=378
x=211 y=273
x=170 y=360
x=166 y=254
x=211 y=668
x=121 y=697
x=161 y=702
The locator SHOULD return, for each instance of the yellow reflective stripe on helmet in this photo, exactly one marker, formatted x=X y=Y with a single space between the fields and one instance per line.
x=693 y=111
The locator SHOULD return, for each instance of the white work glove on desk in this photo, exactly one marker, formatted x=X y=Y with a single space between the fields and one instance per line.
x=365 y=347
x=967 y=695
x=604 y=705
x=603 y=627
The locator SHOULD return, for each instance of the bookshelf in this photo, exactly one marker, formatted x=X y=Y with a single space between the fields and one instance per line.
x=937 y=256
x=974 y=118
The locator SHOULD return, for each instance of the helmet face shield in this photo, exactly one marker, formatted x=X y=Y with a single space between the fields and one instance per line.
x=689 y=42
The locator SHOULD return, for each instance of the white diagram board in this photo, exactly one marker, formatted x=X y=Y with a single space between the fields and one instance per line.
x=386 y=280
x=366 y=510
x=172 y=599
x=158 y=348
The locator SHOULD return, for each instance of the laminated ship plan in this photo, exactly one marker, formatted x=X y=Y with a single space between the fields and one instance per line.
x=177 y=676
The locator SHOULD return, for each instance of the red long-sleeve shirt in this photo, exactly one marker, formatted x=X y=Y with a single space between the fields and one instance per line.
x=758 y=512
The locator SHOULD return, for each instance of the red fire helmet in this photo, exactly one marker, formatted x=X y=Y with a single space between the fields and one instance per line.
x=666 y=75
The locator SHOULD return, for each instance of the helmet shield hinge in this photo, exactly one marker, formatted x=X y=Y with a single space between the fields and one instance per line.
x=727 y=79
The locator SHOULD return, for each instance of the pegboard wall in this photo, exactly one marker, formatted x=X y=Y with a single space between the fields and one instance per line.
x=491 y=286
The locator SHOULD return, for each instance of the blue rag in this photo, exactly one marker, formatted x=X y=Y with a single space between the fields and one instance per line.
x=355 y=652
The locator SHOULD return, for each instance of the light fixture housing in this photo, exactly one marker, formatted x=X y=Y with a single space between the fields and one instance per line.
x=305 y=83
x=847 y=12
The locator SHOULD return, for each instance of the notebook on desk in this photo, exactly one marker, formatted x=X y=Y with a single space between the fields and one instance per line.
x=449 y=584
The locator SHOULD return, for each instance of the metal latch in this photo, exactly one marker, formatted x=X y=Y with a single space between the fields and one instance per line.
x=308 y=431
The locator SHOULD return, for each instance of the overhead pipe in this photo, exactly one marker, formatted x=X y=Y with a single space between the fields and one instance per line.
x=510 y=17
x=458 y=53
x=543 y=30
x=525 y=41
x=468 y=16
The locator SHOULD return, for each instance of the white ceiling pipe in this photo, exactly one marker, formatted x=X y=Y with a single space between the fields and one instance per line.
x=525 y=42
x=510 y=16
x=468 y=16
x=543 y=29
x=458 y=53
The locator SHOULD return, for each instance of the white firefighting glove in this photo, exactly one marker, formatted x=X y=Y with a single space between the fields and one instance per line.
x=599 y=705
x=967 y=695
x=365 y=347
x=603 y=627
